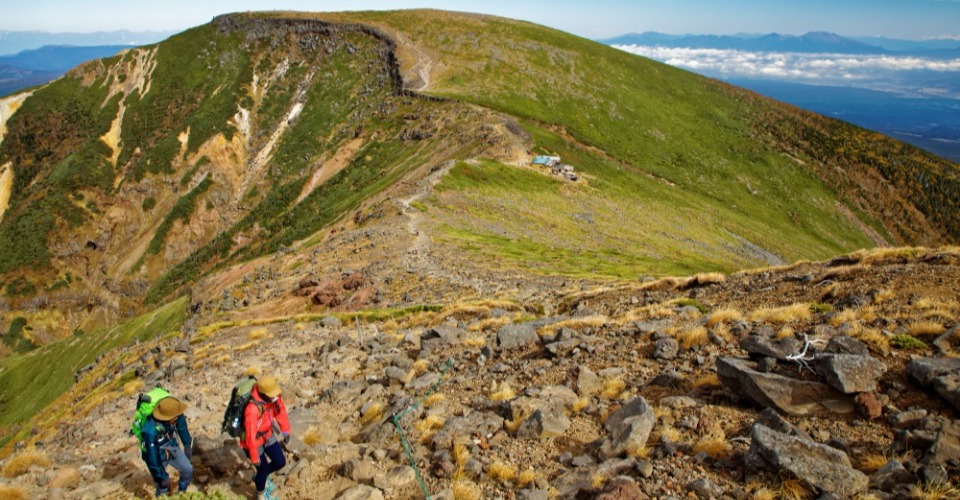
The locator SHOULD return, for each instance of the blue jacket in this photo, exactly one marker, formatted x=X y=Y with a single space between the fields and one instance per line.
x=158 y=437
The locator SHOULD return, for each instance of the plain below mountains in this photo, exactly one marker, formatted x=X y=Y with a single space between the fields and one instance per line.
x=38 y=66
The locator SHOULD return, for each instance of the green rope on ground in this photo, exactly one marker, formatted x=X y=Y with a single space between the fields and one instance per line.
x=403 y=437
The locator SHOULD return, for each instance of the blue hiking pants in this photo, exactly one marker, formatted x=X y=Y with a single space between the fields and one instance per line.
x=276 y=461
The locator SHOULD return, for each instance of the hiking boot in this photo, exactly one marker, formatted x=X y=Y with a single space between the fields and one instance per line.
x=270 y=488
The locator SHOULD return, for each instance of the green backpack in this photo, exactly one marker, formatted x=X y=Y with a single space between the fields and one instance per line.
x=145 y=404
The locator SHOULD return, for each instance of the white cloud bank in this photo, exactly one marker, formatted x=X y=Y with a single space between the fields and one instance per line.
x=790 y=66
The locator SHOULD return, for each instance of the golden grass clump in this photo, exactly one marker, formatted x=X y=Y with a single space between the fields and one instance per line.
x=613 y=388
x=312 y=436
x=489 y=324
x=872 y=462
x=21 y=463
x=501 y=471
x=259 y=333
x=934 y=491
x=252 y=370
x=579 y=405
x=883 y=295
x=874 y=338
x=794 y=489
x=671 y=434
x=724 y=315
x=599 y=479
x=434 y=399
x=132 y=387
x=222 y=360
x=512 y=426
x=475 y=341
x=247 y=346
x=844 y=316
x=785 y=332
x=9 y=492
x=460 y=455
x=708 y=380
x=921 y=328
x=764 y=493
x=668 y=283
x=373 y=414
x=723 y=333
x=714 y=443
x=526 y=478
x=464 y=489
x=421 y=366
x=594 y=321
x=643 y=451
x=428 y=427
x=784 y=314
x=503 y=393
x=693 y=337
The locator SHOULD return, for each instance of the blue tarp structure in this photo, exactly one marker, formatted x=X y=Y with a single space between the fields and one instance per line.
x=546 y=160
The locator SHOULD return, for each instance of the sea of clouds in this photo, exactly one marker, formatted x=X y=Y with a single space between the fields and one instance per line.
x=794 y=66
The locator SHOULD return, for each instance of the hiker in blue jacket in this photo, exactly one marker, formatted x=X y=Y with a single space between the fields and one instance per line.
x=161 y=447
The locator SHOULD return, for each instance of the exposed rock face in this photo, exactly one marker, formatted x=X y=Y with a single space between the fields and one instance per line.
x=850 y=373
x=826 y=469
x=787 y=395
x=942 y=375
x=629 y=427
x=760 y=346
x=514 y=336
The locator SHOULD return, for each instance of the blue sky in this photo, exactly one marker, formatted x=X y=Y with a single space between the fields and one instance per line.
x=914 y=19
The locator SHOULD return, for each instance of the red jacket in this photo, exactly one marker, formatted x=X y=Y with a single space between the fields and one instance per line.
x=258 y=426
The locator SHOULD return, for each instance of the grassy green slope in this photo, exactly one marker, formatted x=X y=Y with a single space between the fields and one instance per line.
x=29 y=382
x=737 y=163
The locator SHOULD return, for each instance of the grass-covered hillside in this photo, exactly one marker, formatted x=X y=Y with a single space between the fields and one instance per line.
x=138 y=175
x=784 y=179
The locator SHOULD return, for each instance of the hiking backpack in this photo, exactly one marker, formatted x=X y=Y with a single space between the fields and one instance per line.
x=239 y=399
x=145 y=404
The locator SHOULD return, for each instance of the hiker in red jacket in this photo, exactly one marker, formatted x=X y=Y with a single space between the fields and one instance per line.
x=264 y=409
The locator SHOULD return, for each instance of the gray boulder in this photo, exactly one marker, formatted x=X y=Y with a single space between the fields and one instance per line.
x=462 y=428
x=666 y=348
x=942 y=375
x=827 y=469
x=786 y=395
x=946 y=446
x=361 y=492
x=851 y=373
x=514 y=336
x=588 y=383
x=845 y=344
x=542 y=425
x=629 y=427
x=761 y=346
x=891 y=475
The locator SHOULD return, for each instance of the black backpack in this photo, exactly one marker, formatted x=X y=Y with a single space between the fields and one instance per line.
x=239 y=399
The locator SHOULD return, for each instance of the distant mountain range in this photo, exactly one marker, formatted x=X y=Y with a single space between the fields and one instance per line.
x=12 y=42
x=813 y=42
x=38 y=66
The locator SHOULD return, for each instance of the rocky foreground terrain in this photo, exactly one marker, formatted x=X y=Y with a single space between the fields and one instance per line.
x=816 y=380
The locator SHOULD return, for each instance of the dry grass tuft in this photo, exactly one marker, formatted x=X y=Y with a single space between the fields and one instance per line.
x=373 y=414
x=464 y=489
x=693 y=337
x=428 y=427
x=460 y=455
x=434 y=399
x=132 y=387
x=708 y=380
x=764 y=493
x=843 y=272
x=640 y=452
x=784 y=314
x=785 y=332
x=714 y=444
x=794 y=489
x=934 y=491
x=512 y=426
x=259 y=333
x=9 y=492
x=613 y=388
x=921 y=328
x=421 y=366
x=874 y=338
x=598 y=480
x=883 y=295
x=252 y=370
x=489 y=324
x=21 y=463
x=247 y=346
x=475 y=341
x=222 y=360
x=503 y=393
x=724 y=315
x=594 y=321
x=313 y=436
x=526 y=478
x=872 y=462
x=579 y=405
x=501 y=471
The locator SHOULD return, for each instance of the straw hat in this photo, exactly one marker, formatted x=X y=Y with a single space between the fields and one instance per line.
x=268 y=386
x=168 y=409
